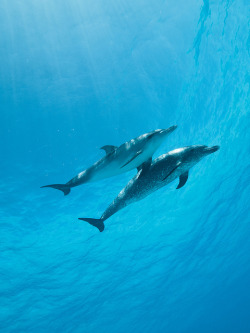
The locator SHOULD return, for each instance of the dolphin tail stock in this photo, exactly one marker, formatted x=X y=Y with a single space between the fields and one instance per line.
x=98 y=223
x=62 y=187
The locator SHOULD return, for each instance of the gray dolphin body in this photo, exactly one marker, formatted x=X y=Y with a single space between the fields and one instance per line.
x=120 y=159
x=161 y=172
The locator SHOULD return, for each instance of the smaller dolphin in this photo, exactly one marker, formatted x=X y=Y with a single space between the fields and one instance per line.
x=161 y=172
x=118 y=160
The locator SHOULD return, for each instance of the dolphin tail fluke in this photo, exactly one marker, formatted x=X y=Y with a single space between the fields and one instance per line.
x=62 y=187
x=98 y=223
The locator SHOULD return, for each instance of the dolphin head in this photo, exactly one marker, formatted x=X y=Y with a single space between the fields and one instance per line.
x=152 y=140
x=193 y=154
x=158 y=135
x=210 y=150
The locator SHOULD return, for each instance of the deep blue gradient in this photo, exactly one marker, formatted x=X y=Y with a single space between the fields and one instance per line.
x=76 y=75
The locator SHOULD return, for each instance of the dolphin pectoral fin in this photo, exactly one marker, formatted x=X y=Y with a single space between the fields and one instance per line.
x=137 y=154
x=62 y=187
x=98 y=223
x=182 y=180
x=144 y=167
x=178 y=164
x=109 y=149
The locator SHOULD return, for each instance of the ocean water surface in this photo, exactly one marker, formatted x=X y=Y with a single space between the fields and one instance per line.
x=77 y=75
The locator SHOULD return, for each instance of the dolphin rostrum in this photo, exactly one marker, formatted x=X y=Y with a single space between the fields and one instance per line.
x=120 y=159
x=162 y=171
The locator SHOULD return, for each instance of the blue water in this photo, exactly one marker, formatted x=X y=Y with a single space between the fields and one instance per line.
x=76 y=75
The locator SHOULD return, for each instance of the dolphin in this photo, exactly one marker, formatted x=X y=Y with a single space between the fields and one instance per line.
x=120 y=159
x=162 y=171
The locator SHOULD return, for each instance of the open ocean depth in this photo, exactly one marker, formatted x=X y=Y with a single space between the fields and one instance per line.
x=79 y=74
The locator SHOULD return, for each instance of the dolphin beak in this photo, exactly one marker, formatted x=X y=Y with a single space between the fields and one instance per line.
x=168 y=130
x=212 y=149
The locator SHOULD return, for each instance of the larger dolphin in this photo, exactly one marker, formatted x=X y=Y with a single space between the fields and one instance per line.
x=118 y=160
x=150 y=178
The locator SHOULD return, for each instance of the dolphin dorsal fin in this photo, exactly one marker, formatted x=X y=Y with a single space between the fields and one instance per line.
x=182 y=180
x=109 y=149
x=144 y=167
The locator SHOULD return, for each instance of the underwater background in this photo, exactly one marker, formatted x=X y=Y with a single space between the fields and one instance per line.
x=77 y=75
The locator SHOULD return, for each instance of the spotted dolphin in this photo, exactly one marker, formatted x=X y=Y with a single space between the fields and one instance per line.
x=152 y=176
x=120 y=159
